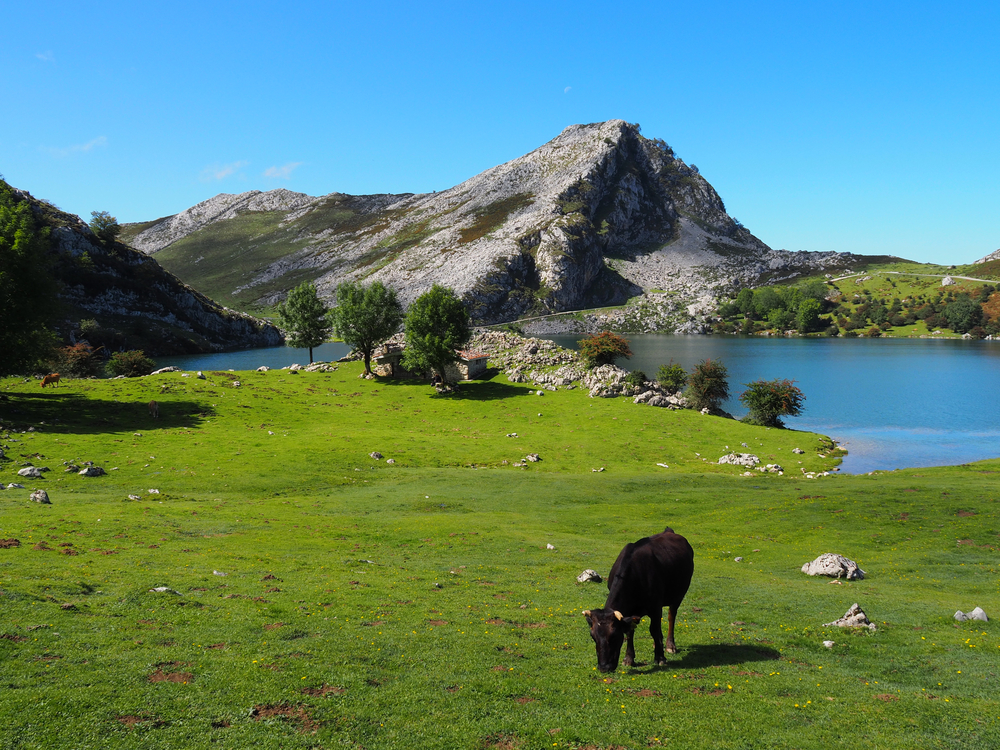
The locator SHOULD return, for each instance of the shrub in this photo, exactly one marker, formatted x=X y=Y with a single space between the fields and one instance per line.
x=874 y=332
x=708 y=386
x=132 y=364
x=604 y=348
x=672 y=376
x=768 y=400
x=636 y=378
x=78 y=361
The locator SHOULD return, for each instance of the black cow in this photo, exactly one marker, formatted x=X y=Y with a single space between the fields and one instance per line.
x=648 y=575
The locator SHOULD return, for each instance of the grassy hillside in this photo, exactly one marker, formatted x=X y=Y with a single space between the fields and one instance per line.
x=325 y=598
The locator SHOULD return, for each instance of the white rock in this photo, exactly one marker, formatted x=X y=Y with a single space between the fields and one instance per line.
x=92 y=471
x=200 y=375
x=855 y=617
x=154 y=492
x=32 y=472
x=263 y=368
x=978 y=614
x=41 y=496
x=740 y=459
x=15 y=486
x=589 y=575
x=549 y=546
x=828 y=644
x=162 y=370
x=164 y=590
x=533 y=457
x=835 y=566
x=219 y=573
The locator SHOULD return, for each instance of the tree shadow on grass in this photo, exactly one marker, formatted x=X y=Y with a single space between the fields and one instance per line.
x=67 y=412
x=702 y=656
x=468 y=390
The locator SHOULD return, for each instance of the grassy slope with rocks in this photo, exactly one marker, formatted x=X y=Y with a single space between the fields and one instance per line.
x=374 y=605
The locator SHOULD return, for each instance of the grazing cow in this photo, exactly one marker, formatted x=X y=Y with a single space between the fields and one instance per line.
x=648 y=575
x=50 y=379
x=154 y=409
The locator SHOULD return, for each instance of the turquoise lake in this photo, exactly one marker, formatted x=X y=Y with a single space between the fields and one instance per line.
x=893 y=403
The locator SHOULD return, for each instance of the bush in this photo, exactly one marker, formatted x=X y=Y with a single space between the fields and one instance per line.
x=874 y=332
x=636 y=378
x=604 y=348
x=672 y=376
x=131 y=364
x=768 y=400
x=708 y=386
x=78 y=361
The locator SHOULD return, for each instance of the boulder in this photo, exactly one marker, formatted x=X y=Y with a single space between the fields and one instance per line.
x=663 y=402
x=15 y=486
x=976 y=614
x=92 y=471
x=589 y=575
x=855 y=617
x=200 y=375
x=375 y=454
x=41 y=496
x=533 y=457
x=162 y=370
x=740 y=459
x=834 y=566
x=32 y=472
x=798 y=450
x=263 y=368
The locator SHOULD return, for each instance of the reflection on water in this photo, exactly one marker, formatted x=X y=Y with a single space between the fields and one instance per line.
x=892 y=403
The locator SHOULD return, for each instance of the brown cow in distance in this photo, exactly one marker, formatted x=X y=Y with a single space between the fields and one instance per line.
x=154 y=409
x=50 y=379
x=650 y=574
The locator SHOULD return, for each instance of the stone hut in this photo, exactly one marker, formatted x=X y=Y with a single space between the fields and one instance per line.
x=470 y=365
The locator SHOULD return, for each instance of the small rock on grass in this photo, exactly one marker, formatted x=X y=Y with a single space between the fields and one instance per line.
x=589 y=575
x=976 y=614
x=15 y=486
x=41 y=496
x=92 y=471
x=855 y=617
x=164 y=590
x=835 y=566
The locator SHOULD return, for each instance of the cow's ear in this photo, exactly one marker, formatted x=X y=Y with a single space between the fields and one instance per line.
x=631 y=622
x=586 y=613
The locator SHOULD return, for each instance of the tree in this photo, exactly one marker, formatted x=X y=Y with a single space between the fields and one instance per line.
x=437 y=324
x=105 y=226
x=672 y=376
x=27 y=290
x=304 y=318
x=807 y=317
x=708 y=386
x=131 y=364
x=768 y=400
x=963 y=314
x=604 y=348
x=366 y=316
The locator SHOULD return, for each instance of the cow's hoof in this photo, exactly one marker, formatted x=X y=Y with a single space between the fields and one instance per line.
x=629 y=662
x=661 y=662
x=671 y=649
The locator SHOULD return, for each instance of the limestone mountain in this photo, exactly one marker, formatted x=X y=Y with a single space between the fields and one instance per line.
x=597 y=216
x=127 y=300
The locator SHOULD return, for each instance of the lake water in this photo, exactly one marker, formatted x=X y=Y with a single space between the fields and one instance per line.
x=893 y=403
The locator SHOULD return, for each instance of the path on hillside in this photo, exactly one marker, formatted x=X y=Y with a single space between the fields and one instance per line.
x=906 y=273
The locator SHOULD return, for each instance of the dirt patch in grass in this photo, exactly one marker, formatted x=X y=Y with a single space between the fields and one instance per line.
x=217 y=646
x=705 y=691
x=437 y=622
x=502 y=742
x=323 y=691
x=130 y=720
x=886 y=697
x=43 y=547
x=965 y=541
x=524 y=699
x=220 y=724
x=165 y=672
x=295 y=714
x=966 y=513
x=646 y=693
x=13 y=637
x=273 y=626
x=9 y=543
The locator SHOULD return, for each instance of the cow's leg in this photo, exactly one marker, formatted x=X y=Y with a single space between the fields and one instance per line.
x=671 y=646
x=656 y=631
x=630 y=648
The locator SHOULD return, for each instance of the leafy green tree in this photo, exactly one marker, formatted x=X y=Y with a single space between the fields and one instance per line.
x=708 y=385
x=636 y=378
x=769 y=400
x=131 y=364
x=304 y=318
x=963 y=314
x=744 y=300
x=105 y=226
x=672 y=376
x=780 y=318
x=766 y=299
x=437 y=324
x=366 y=316
x=27 y=290
x=604 y=348
x=807 y=318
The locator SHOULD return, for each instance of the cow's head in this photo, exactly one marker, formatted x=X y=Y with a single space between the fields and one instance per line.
x=608 y=628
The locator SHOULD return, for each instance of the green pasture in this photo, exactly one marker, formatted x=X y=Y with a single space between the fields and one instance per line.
x=369 y=605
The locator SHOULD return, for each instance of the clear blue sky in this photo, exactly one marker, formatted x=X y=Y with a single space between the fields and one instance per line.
x=851 y=126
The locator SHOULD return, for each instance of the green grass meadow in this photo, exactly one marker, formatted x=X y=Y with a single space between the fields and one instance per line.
x=369 y=605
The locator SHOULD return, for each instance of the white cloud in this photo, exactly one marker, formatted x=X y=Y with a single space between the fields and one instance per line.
x=78 y=148
x=282 y=173
x=566 y=90
x=46 y=56
x=221 y=171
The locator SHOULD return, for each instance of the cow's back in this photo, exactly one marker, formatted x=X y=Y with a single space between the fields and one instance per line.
x=651 y=573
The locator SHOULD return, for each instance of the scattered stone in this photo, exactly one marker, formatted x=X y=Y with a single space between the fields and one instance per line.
x=71 y=469
x=511 y=434
x=589 y=575
x=15 y=486
x=947 y=281
x=798 y=450
x=41 y=496
x=598 y=470
x=134 y=497
x=162 y=370
x=200 y=375
x=834 y=566
x=549 y=546
x=219 y=573
x=92 y=471
x=740 y=459
x=829 y=644
x=976 y=614
x=236 y=384
x=390 y=460
x=32 y=472
x=376 y=455
x=664 y=466
x=539 y=393
x=855 y=617
x=533 y=457
x=164 y=590
x=737 y=559
x=263 y=368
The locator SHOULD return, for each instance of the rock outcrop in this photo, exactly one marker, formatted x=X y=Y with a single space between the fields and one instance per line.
x=595 y=217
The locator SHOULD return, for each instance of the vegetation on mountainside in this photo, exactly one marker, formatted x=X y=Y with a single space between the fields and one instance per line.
x=304 y=318
x=416 y=604
x=490 y=218
x=105 y=226
x=872 y=304
x=27 y=290
x=365 y=317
